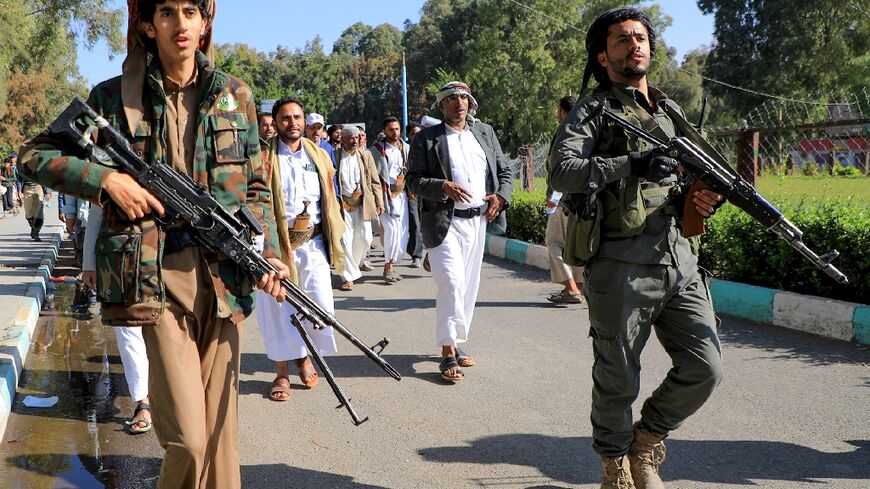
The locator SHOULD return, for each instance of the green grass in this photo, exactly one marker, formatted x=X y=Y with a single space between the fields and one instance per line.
x=795 y=189
x=801 y=189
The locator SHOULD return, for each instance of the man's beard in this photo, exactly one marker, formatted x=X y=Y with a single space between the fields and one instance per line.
x=633 y=73
x=288 y=138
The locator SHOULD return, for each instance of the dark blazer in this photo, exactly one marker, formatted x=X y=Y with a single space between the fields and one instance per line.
x=429 y=168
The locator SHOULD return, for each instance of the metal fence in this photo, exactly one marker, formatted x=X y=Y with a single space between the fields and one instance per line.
x=781 y=136
x=800 y=137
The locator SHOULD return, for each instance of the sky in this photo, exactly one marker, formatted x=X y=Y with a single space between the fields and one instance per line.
x=266 y=24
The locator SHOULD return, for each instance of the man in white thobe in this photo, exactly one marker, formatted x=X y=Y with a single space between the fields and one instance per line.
x=309 y=233
x=391 y=156
x=361 y=200
x=460 y=174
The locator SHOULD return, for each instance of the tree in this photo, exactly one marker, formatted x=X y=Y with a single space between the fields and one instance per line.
x=38 y=70
x=807 y=49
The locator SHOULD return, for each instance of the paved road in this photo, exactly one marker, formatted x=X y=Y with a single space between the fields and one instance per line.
x=792 y=411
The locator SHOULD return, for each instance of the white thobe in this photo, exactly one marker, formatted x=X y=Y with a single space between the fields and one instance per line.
x=456 y=261
x=357 y=235
x=394 y=220
x=300 y=182
x=131 y=344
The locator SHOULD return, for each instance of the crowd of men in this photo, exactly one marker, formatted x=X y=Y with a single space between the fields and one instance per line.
x=320 y=191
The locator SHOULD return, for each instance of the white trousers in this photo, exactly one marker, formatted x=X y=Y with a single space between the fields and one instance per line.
x=356 y=240
x=131 y=346
x=283 y=341
x=554 y=238
x=455 y=267
x=394 y=223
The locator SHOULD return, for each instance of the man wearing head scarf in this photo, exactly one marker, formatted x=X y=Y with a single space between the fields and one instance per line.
x=175 y=109
x=641 y=271
x=362 y=200
x=463 y=181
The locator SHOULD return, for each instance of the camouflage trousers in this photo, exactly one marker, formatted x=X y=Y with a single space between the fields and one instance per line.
x=626 y=301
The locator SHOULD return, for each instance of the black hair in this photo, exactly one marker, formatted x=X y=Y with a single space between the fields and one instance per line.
x=567 y=102
x=332 y=128
x=412 y=125
x=284 y=101
x=596 y=40
x=145 y=10
x=390 y=120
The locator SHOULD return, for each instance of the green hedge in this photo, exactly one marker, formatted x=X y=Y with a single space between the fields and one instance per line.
x=526 y=217
x=737 y=248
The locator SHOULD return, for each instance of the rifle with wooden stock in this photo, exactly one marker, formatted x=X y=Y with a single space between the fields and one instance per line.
x=709 y=170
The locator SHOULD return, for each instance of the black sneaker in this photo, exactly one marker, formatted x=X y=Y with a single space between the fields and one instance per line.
x=34 y=235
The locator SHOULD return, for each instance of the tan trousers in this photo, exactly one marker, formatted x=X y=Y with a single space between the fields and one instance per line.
x=195 y=416
x=554 y=238
x=32 y=201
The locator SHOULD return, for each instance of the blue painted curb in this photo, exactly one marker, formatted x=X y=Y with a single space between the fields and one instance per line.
x=816 y=315
x=16 y=339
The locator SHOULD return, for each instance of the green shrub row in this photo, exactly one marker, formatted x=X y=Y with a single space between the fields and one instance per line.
x=737 y=248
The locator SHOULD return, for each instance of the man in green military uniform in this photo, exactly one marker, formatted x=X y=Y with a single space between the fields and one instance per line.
x=641 y=272
x=175 y=109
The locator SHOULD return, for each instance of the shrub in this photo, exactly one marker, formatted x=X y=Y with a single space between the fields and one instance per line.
x=809 y=169
x=737 y=248
x=845 y=171
x=526 y=216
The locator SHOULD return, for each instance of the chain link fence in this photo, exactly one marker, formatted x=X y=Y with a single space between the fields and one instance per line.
x=788 y=137
x=782 y=137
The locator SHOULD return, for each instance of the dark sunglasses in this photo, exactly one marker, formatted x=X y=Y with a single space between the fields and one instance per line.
x=455 y=96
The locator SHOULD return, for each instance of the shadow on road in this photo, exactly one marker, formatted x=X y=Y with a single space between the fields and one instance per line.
x=342 y=367
x=572 y=461
x=791 y=345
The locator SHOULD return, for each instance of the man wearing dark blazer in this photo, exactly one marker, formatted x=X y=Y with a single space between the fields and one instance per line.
x=462 y=177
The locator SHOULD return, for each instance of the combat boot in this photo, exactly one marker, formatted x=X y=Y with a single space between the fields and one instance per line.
x=646 y=454
x=617 y=474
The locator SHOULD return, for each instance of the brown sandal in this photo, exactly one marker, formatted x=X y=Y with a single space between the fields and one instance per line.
x=464 y=359
x=346 y=286
x=278 y=388
x=307 y=374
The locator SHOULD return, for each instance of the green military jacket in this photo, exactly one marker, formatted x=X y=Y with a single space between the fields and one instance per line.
x=226 y=160
x=637 y=220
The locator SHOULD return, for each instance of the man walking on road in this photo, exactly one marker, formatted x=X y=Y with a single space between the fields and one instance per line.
x=641 y=272
x=391 y=157
x=362 y=200
x=554 y=237
x=309 y=231
x=460 y=174
x=203 y=123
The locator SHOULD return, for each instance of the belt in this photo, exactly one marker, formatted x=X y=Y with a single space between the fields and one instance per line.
x=471 y=212
x=178 y=239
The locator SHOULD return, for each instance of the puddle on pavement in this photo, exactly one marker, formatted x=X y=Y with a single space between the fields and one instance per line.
x=73 y=357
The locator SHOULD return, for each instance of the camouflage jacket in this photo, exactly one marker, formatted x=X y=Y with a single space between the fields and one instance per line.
x=227 y=160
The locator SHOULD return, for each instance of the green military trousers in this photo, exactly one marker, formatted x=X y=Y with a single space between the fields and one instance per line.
x=626 y=301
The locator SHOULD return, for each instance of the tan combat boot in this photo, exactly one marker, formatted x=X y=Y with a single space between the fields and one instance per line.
x=646 y=454
x=617 y=474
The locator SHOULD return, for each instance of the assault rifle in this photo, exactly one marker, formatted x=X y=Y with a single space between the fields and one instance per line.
x=216 y=229
x=710 y=171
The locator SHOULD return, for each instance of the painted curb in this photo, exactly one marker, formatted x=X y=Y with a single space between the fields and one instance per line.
x=15 y=342
x=816 y=315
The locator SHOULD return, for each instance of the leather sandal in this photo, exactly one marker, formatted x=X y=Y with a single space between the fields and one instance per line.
x=279 y=388
x=134 y=422
x=464 y=359
x=448 y=363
